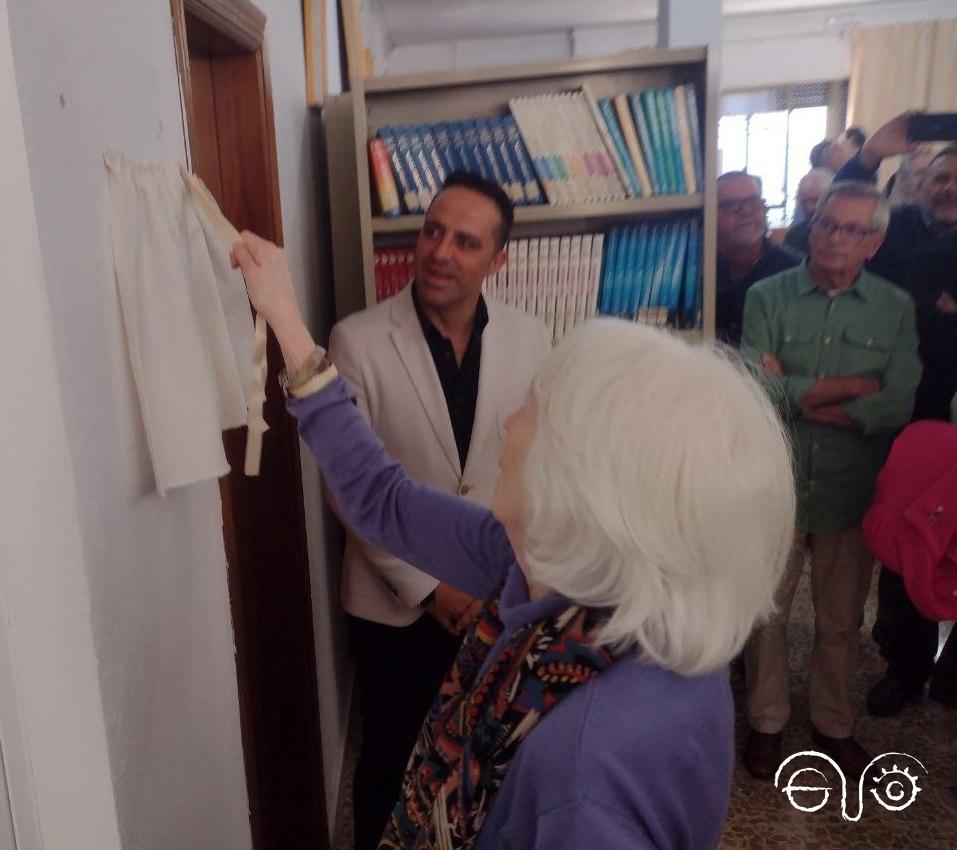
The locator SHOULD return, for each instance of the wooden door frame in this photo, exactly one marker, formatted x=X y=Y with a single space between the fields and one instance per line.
x=241 y=22
x=285 y=787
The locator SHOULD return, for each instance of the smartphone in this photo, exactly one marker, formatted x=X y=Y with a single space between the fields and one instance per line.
x=933 y=127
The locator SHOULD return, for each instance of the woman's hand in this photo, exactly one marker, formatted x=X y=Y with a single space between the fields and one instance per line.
x=269 y=284
x=268 y=280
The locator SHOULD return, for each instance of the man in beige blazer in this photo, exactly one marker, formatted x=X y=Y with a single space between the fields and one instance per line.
x=436 y=369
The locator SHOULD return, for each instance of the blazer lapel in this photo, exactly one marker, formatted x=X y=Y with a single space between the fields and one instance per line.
x=414 y=353
x=493 y=376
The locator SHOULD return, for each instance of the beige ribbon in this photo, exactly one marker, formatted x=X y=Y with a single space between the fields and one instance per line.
x=255 y=423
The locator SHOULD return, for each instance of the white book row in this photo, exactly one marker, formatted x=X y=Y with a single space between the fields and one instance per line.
x=554 y=278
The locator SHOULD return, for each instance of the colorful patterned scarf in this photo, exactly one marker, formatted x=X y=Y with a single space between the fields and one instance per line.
x=477 y=723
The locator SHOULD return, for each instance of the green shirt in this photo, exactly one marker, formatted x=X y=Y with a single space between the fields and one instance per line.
x=866 y=330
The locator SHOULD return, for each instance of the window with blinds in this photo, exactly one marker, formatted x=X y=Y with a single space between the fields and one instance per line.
x=770 y=133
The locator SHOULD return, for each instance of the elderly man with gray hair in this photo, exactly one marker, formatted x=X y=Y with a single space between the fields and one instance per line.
x=839 y=346
x=810 y=188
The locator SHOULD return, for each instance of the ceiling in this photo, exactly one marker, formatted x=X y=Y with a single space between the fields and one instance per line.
x=417 y=21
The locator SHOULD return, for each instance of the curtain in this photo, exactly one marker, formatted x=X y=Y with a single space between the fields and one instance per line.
x=896 y=68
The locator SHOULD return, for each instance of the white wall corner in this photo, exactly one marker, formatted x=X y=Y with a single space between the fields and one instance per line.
x=52 y=724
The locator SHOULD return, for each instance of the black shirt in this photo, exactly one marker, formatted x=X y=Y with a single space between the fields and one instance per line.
x=460 y=382
x=798 y=237
x=730 y=296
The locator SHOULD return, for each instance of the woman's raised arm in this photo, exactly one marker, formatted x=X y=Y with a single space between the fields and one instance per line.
x=453 y=540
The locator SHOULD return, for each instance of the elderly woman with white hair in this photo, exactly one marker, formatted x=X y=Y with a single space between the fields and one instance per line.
x=641 y=521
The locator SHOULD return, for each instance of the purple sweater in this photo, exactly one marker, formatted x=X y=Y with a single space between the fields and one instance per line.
x=637 y=757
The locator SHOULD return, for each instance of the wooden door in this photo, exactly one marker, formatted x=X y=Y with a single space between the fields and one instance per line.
x=228 y=105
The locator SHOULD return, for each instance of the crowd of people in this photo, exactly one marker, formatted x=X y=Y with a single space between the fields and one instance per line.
x=554 y=555
x=854 y=320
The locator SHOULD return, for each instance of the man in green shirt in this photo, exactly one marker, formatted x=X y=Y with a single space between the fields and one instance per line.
x=839 y=347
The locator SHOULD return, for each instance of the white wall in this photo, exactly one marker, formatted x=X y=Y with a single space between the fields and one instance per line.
x=52 y=730
x=757 y=50
x=302 y=185
x=93 y=76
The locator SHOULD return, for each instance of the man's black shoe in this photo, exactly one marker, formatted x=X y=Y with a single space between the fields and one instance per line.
x=890 y=696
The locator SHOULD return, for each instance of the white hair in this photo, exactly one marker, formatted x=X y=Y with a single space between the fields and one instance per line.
x=820 y=177
x=658 y=485
x=859 y=189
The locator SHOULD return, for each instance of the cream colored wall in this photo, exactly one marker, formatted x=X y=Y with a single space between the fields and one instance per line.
x=56 y=788
x=94 y=76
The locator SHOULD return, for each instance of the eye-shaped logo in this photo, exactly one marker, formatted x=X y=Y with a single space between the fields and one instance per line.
x=896 y=788
x=797 y=785
x=808 y=790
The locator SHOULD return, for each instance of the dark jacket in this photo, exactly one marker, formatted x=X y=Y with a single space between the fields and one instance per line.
x=922 y=260
x=730 y=300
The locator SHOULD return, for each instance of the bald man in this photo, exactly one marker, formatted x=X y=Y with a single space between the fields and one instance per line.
x=809 y=191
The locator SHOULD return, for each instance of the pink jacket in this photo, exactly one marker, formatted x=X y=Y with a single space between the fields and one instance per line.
x=912 y=526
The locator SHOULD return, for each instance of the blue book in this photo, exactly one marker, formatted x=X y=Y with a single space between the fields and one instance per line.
x=674 y=290
x=694 y=127
x=650 y=271
x=670 y=110
x=653 y=110
x=609 y=266
x=690 y=295
x=613 y=301
x=626 y=280
x=409 y=151
x=647 y=142
x=432 y=156
x=629 y=280
x=429 y=177
x=443 y=145
x=491 y=154
x=516 y=144
x=404 y=170
x=641 y=262
x=607 y=109
x=675 y=267
x=664 y=267
x=475 y=149
x=516 y=189
x=460 y=149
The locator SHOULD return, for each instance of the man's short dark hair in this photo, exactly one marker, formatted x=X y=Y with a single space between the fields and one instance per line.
x=855 y=135
x=492 y=191
x=817 y=153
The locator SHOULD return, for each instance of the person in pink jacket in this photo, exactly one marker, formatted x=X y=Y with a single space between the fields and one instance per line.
x=912 y=529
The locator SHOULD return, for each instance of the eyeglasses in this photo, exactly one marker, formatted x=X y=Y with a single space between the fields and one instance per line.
x=848 y=232
x=736 y=206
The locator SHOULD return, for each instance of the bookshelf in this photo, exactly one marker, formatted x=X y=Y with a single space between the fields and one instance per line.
x=351 y=118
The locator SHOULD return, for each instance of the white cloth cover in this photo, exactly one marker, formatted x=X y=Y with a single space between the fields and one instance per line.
x=187 y=318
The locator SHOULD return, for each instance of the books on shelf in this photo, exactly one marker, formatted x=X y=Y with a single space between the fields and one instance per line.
x=393 y=271
x=551 y=277
x=648 y=272
x=420 y=157
x=562 y=148
x=386 y=191
x=651 y=273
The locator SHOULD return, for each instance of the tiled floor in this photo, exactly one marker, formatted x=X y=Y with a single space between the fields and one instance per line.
x=761 y=816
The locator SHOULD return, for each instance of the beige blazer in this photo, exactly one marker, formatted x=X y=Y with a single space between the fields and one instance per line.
x=382 y=354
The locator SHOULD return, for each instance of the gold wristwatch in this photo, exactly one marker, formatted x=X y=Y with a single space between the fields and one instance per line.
x=310 y=377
